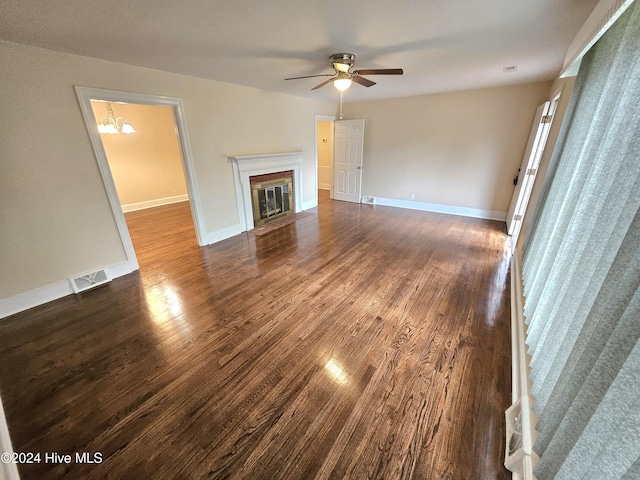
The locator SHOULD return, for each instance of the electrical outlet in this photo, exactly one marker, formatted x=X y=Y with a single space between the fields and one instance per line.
x=225 y=223
x=412 y=196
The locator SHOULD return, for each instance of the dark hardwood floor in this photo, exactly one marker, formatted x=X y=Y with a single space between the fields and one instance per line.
x=360 y=342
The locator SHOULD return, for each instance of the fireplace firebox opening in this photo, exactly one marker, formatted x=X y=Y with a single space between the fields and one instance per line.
x=271 y=196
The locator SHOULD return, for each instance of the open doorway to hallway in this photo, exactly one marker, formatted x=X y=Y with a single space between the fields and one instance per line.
x=339 y=157
x=324 y=154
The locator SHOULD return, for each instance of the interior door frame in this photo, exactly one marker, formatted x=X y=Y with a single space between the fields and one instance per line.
x=85 y=95
x=327 y=118
x=527 y=179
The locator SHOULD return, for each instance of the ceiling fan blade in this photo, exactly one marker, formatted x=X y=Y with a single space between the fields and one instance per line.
x=311 y=76
x=363 y=81
x=380 y=71
x=322 y=84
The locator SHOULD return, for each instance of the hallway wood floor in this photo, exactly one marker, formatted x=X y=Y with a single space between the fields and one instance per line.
x=359 y=342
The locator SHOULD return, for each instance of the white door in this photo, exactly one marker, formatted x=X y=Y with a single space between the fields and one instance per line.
x=347 y=160
x=529 y=169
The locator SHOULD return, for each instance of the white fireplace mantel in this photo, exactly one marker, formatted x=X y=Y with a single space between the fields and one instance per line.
x=245 y=166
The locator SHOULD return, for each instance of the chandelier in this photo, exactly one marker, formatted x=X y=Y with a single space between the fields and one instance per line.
x=112 y=124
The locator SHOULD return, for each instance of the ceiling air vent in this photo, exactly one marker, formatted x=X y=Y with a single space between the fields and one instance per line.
x=90 y=280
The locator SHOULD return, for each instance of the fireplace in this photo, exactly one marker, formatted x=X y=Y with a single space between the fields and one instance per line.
x=271 y=196
x=247 y=166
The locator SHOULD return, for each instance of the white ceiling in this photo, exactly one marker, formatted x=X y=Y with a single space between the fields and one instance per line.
x=443 y=45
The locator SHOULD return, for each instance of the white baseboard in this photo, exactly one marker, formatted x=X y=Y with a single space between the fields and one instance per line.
x=38 y=296
x=121 y=268
x=228 y=232
x=48 y=293
x=309 y=204
x=222 y=234
x=132 y=207
x=437 y=208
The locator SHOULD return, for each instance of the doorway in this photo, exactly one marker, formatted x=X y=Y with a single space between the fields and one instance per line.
x=528 y=170
x=339 y=155
x=122 y=102
x=146 y=166
x=324 y=154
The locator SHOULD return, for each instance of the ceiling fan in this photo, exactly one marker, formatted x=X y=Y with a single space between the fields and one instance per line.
x=343 y=75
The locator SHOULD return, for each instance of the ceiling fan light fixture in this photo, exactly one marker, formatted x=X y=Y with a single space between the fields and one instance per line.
x=341 y=67
x=343 y=76
x=342 y=83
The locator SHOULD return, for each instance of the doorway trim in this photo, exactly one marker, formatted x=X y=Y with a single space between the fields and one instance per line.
x=326 y=118
x=85 y=95
x=543 y=121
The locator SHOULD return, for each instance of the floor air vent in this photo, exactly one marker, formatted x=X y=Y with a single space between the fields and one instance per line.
x=90 y=280
x=517 y=455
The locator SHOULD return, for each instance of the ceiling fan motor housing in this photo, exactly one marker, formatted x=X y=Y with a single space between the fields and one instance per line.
x=342 y=62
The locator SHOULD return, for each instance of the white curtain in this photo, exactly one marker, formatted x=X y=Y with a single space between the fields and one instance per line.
x=581 y=273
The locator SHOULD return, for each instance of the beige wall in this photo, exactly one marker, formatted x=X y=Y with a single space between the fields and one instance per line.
x=55 y=219
x=458 y=149
x=146 y=165
x=325 y=155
